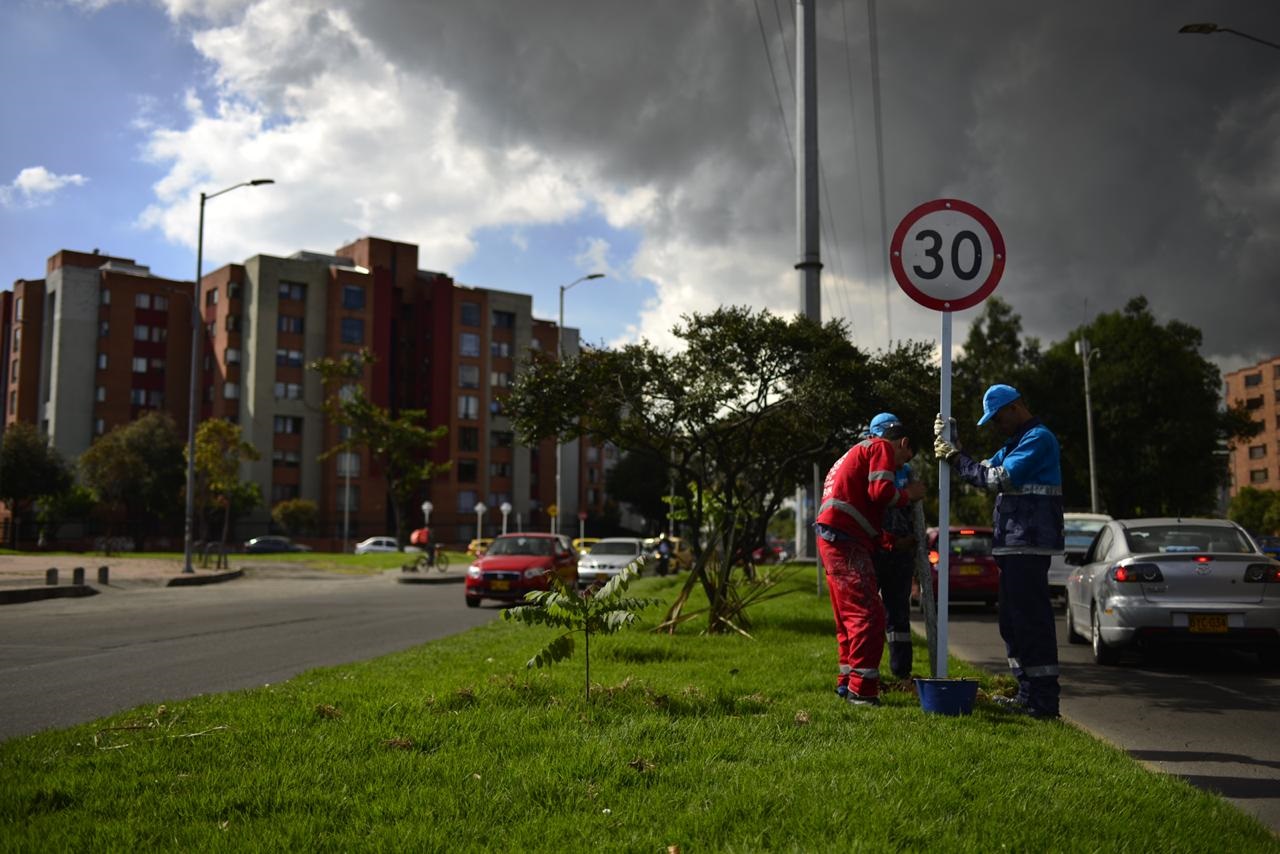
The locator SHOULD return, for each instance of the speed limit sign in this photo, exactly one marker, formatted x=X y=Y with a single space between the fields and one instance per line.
x=947 y=255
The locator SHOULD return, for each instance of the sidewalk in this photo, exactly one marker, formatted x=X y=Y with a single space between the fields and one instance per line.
x=23 y=578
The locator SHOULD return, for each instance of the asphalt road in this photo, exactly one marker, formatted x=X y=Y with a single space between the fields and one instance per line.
x=1208 y=716
x=68 y=661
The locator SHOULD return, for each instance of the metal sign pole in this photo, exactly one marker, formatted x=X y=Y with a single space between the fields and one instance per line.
x=944 y=504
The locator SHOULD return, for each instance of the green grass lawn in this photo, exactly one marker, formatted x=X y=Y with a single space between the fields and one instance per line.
x=706 y=743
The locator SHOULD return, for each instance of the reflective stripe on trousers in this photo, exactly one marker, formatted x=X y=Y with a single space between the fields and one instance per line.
x=859 y=614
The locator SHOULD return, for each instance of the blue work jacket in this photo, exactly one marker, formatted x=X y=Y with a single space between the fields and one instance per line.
x=1026 y=475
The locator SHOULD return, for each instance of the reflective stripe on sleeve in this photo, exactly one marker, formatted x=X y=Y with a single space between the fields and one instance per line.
x=850 y=511
x=1044 y=670
x=867 y=672
x=1034 y=489
x=880 y=475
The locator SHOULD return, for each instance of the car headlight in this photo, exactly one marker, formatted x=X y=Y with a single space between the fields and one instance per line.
x=473 y=571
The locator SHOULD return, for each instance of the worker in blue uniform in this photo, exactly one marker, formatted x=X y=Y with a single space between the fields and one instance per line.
x=894 y=561
x=1026 y=476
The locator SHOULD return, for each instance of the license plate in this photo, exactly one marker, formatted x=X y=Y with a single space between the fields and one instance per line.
x=499 y=585
x=969 y=569
x=1207 y=623
x=602 y=576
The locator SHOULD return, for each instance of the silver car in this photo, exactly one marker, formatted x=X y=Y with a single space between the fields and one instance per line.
x=607 y=558
x=1156 y=581
x=1079 y=530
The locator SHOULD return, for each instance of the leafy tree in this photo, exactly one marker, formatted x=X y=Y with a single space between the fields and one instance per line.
x=137 y=470
x=296 y=515
x=30 y=469
x=398 y=443
x=220 y=451
x=744 y=412
x=603 y=612
x=643 y=480
x=1256 y=510
x=77 y=502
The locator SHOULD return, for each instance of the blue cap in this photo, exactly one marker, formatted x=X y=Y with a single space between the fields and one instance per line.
x=883 y=422
x=997 y=397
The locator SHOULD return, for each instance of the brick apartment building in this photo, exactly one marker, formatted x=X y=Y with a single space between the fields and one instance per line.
x=112 y=341
x=1256 y=462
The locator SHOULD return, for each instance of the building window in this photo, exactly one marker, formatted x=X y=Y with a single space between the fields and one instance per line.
x=500 y=379
x=99 y=426
x=467 y=501
x=1257 y=452
x=1254 y=402
x=99 y=394
x=499 y=469
x=102 y=361
x=468 y=439
x=289 y=323
x=593 y=454
x=138 y=396
x=233 y=356
x=289 y=358
x=288 y=391
x=139 y=364
x=469 y=376
x=155 y=398
x=233 y=323
x=348 y=464
x=159 y=334
x=501 y=439
x=504 y=319
x=591 y=496
x=1258 y=476
x=233 y=290
x=352 y=330
x=160 y=303
x=293 y=290
x=468 y=407
x=142 y=300
x=211 y=296
x=105 y=300
x=466 y=470
x=231 y=391
x=1252 y=380
x=592 y=473
x=13 y=402
x=470 y=314
x=13 y=371
x=288 y=424
x=348 y=499
x=352 y=297
x=283 y=492
x=285 y=459
x=104 y=329
x=141 y=333
x=469 y=344
x=500 y=349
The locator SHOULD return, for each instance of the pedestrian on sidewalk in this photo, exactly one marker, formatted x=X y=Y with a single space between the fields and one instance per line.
x=1026 y=476
x=857 y=491
x=894 y=560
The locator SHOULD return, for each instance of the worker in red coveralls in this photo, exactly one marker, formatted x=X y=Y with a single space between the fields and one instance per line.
x=858 y=490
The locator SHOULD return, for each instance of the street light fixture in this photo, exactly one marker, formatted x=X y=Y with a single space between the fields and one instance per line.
x=560 y=358
x=196 y=326
x=1206 y=29
x=427 y=507
x=506 y=511
x=480 y=509
x=1086 y=354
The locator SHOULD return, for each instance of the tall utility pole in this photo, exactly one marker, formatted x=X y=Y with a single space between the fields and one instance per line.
x=1086 y=354
x=807 y=222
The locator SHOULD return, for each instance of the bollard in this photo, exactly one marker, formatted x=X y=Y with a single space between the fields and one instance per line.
x=77 y=576
x=104 y=573
x=51 y=577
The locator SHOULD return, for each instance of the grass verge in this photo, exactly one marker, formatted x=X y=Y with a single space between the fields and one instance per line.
x=707 y=743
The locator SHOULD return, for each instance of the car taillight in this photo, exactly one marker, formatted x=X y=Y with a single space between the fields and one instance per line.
x=933 y=558
x=1262 y=572
x=1137 y=572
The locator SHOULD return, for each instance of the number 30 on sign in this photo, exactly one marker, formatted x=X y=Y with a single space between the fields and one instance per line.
x=947 y=255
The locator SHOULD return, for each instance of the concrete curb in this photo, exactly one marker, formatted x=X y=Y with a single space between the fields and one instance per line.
x=15 y=596
x=434 y=578
x=213 y=578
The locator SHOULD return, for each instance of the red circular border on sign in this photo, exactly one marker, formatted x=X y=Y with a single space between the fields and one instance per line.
x=997 y=248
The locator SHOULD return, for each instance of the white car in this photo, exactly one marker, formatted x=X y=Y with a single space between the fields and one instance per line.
x=1080 y=529
x=377 y=544
x=609 y=557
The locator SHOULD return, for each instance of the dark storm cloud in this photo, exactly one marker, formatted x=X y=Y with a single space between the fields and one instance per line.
x=1119 y=157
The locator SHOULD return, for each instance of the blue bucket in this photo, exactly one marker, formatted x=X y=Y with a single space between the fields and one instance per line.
x=947 y=696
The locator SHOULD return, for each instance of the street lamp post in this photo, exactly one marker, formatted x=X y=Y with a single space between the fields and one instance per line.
x=427 y=507
x=1206 y=29
x=560 y=358
x=1086 y=354
x=480 y=508
x=506 y=511
x=196 y=326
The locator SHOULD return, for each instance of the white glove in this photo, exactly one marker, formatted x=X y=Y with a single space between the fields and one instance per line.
x=938 y=424
x=944 y=449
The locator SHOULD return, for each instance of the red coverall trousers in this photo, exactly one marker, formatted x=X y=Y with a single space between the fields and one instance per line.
x=859 y=611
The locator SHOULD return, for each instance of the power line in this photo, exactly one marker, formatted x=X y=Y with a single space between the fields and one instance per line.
x=782 y=113
x=884 y=227
x=857 y=158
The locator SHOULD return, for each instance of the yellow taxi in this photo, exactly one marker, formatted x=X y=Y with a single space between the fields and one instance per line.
x=478 y=546
x=681 y=553
x=582 y=545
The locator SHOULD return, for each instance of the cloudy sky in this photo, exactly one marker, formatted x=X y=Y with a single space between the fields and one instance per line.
x=524 y=144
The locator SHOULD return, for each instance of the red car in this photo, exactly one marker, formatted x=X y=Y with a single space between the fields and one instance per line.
x=973 y=574
x=516 y=564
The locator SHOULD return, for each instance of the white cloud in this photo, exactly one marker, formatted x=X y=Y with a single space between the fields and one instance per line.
x=35 y=186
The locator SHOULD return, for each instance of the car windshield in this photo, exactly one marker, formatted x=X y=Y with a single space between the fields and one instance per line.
x=540 y=546
x=615 y=549
x=970 y=544
x=1171 y=539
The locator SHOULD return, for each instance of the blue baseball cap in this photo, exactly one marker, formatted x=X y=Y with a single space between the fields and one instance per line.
x=997 y=397
x=883 y=422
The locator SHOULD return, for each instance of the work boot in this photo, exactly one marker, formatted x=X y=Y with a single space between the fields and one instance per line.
x=857 y=700
x=1013 y=704
x=842 y=691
